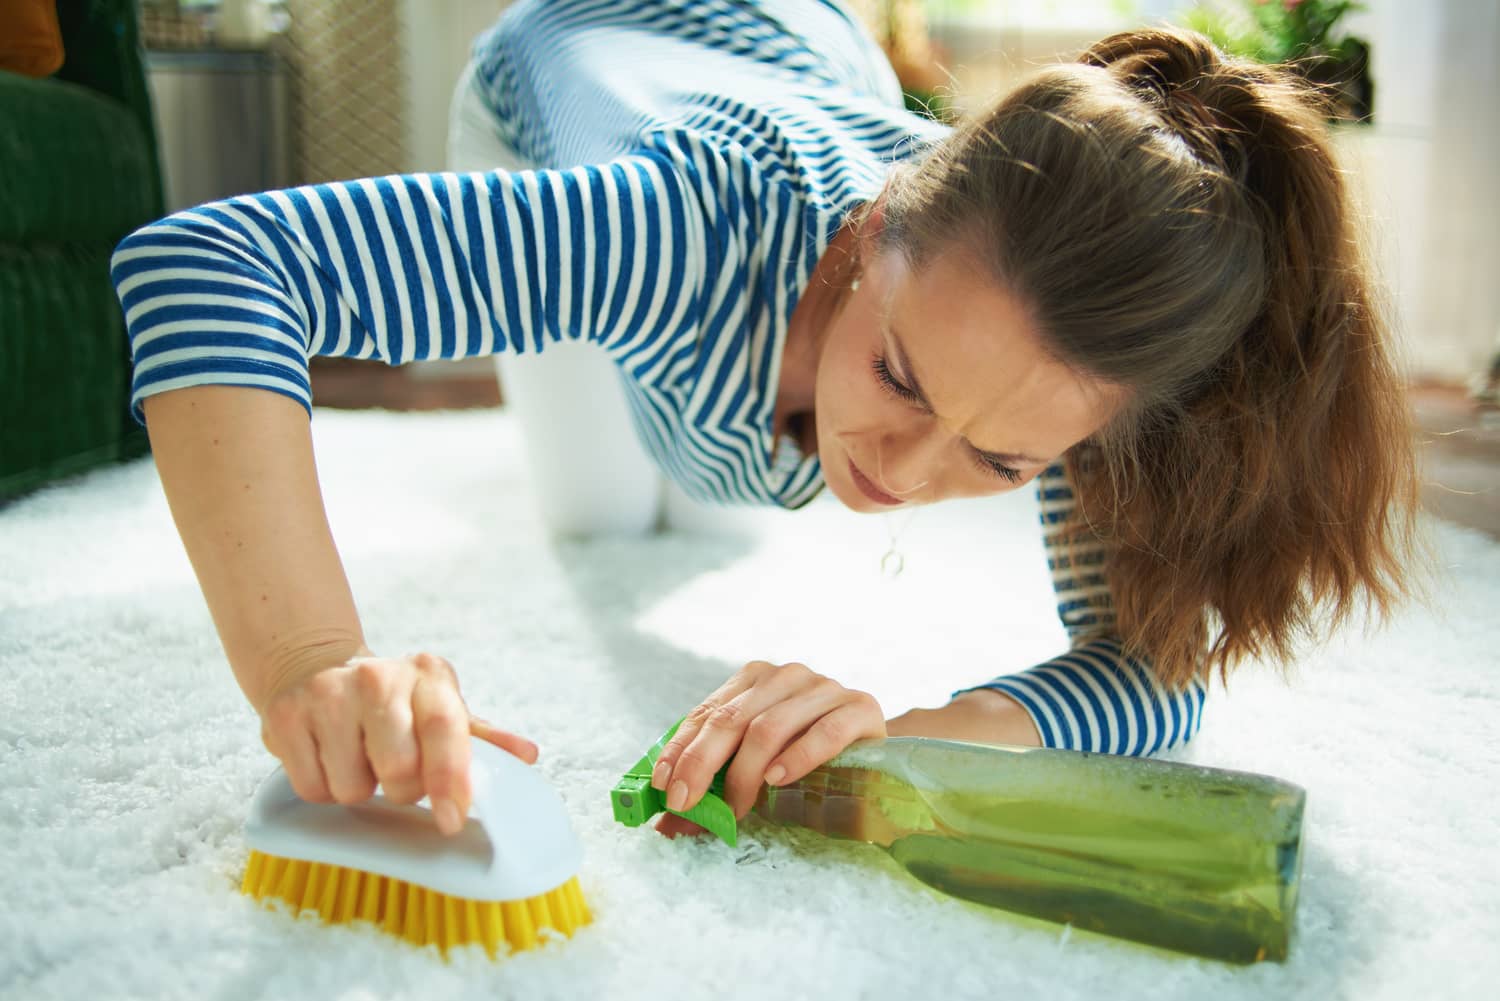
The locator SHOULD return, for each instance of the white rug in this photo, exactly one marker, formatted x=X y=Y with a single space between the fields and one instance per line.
x=127 y=754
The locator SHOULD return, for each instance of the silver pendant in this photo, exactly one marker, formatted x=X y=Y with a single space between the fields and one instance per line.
x=892 y=563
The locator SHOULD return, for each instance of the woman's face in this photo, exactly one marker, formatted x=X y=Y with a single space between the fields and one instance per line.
x=933 y=384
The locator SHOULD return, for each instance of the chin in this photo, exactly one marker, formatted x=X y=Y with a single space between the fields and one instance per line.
x=852 y=499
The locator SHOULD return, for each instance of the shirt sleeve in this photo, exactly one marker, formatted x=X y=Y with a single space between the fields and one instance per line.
x=1094 y=697
x=412 y=267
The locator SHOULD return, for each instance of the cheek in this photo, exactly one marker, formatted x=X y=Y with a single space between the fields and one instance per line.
x=846 y=385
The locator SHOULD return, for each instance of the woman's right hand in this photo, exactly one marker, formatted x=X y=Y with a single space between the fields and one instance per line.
x=396 y=721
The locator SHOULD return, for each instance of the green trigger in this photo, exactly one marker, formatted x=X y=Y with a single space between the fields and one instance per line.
x=634 y=801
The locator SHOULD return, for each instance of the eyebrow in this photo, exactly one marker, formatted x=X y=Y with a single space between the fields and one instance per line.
x=904 y=361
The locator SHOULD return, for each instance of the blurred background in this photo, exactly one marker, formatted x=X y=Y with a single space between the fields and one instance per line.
x=113 y=112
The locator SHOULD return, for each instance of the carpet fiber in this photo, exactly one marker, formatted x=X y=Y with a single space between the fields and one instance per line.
x=128 y=755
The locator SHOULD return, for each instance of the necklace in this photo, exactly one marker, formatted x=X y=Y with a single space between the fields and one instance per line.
x=892 y=563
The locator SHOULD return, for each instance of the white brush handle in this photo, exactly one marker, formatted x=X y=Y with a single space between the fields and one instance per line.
x=518 y=842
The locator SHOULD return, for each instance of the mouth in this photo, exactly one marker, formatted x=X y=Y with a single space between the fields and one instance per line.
x=869 y=490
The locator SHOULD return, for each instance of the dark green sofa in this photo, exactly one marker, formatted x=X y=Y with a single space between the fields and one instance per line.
x=78 y=172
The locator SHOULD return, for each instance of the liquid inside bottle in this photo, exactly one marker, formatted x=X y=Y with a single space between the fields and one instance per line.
x=1200 y=860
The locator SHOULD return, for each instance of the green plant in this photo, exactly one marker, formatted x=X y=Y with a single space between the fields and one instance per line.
x=1275 y=31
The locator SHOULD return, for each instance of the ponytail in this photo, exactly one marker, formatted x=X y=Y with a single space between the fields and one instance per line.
x=1197 y=247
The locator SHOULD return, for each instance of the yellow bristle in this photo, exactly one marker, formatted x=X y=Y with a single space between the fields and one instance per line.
x=393 y=893
x=251 y=883
x=317 y=875
x=416 y=915
x=270 y=878
x=293 y=879
x=516 y=923
x=450 y=922
x=423 y=917
x=492 y=929
x=349 y=884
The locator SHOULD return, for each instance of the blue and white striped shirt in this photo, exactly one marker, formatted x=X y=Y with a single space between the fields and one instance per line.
x=703 y=153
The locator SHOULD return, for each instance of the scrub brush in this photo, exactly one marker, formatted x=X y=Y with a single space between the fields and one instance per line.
x=507 y=876
x=1200 y=860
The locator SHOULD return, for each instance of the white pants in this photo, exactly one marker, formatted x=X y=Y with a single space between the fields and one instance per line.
x=591 y=474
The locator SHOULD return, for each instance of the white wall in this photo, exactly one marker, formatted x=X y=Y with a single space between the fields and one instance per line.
x=439 y=34
x=1430 y=168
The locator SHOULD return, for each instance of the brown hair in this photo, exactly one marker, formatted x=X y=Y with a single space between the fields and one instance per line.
x=1178 y=225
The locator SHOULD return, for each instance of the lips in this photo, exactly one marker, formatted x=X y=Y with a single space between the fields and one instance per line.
x=869 y=490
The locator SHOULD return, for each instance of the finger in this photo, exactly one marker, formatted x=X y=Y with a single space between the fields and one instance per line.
x=674 y=826
x=341 y=752
x=687 y=730
x=384 y=688
x=721 y=732
x=858 y=718
x=303 y=766
x=284 y=731
x=333 y=718
x=522 y=748
x=441 y=722
x=774 y=731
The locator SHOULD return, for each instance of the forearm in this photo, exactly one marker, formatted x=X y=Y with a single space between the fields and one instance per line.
x=983 y=716
x=237 y=467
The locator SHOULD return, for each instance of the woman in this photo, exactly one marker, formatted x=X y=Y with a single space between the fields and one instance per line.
x=1132 y=280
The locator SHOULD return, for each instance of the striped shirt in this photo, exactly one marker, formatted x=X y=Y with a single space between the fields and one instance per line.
x=702 y=154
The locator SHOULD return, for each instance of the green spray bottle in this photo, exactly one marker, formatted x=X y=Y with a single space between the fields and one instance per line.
x=1199 y=860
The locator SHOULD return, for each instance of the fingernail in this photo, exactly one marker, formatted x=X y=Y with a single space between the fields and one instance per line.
x=775 y=775
x=445 y=812
x=660 y=774
x=678 y=796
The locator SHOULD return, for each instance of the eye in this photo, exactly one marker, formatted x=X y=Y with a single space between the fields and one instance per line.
x=891 y=383
x=899 y=389
x=997 y=468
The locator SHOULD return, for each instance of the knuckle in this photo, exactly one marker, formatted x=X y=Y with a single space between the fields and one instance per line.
x=729 y=716
x=833 y=730
x=438 y=723
x=433 y=666
x=323 y=685
x=402 y=792
x=764 y=730
x=371 y=679
x=401 y=768
x=354 y=791
x=700 y=713
x=308 y=788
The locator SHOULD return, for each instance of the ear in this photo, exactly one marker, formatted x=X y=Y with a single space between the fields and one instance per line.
x=873 y=220
x=868 y=227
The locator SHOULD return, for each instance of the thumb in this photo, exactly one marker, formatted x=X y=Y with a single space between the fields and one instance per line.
x=504 y=739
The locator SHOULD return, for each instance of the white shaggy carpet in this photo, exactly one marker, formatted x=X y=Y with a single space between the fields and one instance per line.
x=127 y=755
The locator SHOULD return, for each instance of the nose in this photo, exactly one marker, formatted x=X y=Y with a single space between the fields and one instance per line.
x=903 y=466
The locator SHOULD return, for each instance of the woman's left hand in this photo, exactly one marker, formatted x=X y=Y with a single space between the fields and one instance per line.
x=777 y=722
